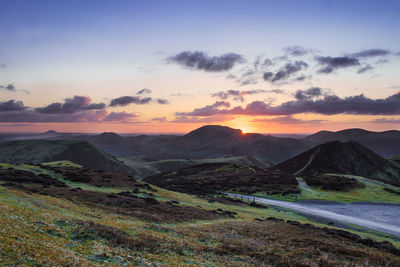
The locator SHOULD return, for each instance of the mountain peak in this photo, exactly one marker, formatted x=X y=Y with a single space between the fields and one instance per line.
x=108 y=138
x=110 y=134
x=213 y=131
x=51 y=132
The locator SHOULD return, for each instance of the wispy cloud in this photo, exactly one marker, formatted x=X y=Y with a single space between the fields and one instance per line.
x=11 y=88
x=162 y=101
x=297 y=51
x=194 y=119
x=372 y=53
x=8 y=87
x=207 y=110
x=159 y=119
x=366 y=68
x=388 y=121
x=285 y=72
x=120 y=116
x=144 y=91
x=238 y=95
x=287 y=120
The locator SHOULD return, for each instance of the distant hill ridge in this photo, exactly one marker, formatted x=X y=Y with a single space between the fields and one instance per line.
x=205 y=142
x=221 y=141
x=342 y=158
x=385 y=143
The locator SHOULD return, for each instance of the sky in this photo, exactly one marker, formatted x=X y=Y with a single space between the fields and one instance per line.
x=171 y=66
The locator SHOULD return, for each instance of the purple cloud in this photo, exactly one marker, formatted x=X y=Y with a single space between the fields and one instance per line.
x=159 y=119
x=12 y=105
x=327 y=105
x=288 y=120
x=8 y=87
x=372 y=53
x=162 y=101
x=127 y=100
x=207 y=110
x=71 y=105
x=201 y=61
x=286 y=71
x=120 y=116
x=144 y=91
x=330 y=64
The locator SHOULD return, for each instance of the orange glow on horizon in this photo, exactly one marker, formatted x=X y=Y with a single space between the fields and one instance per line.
x=300 y=124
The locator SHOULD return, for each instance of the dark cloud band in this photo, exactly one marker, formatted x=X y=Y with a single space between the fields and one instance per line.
x=372 y=53
x=75 y=109
x=201 y=61
x=330 y=64
x=305 y=103
x=71 y=105
x=127 y=100
x=12 y=105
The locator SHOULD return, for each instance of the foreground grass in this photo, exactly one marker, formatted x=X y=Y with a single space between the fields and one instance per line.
x=38 y=230
x=43 y=230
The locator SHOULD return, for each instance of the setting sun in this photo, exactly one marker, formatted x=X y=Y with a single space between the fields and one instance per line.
x=203 y=132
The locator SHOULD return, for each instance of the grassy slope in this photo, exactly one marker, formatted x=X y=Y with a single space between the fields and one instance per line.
x=39 y=230
x=147 y=168
x=37 y=151
x=373 y=192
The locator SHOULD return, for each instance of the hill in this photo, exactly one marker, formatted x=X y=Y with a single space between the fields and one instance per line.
x=109 y=142
x=210 y=178
x=219 y=141
x=106 y=139
x=342 y=158
x=37 y=151
x=147 y=168
x=385 y=143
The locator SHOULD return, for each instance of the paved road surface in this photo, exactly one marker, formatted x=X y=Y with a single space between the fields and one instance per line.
x=369 y=215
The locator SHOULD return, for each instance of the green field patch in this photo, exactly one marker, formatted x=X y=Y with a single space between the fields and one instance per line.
x=373 y=192
x=61 y=163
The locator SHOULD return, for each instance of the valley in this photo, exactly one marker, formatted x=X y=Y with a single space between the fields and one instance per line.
x=213 y=141
x=185 y=133
x=68 y=202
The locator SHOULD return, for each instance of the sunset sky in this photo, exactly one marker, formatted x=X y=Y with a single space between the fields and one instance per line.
x=171 y=66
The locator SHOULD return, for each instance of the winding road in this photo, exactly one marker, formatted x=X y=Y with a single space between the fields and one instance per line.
x=371 y=222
